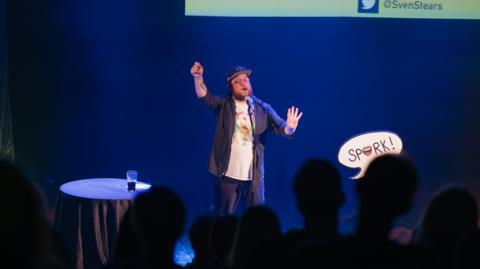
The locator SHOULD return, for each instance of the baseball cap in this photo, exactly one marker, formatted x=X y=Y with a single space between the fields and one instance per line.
x=237 y=70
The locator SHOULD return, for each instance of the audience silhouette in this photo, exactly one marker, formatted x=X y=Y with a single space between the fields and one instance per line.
x=27 y=239
x=154 y=224
x=258 y=238
x=199 y=235
x=318 y=192
x=448 y=236
x=449 y=217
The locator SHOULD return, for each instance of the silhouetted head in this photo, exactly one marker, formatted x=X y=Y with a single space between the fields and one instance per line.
x=160 y=217
x=222 y=236
x=259 y=223
x=388 y=186
x=318 y=188
x=199 y=235
x=24 y=231
x=450 y=215
x=128 y=244
x=259 y=228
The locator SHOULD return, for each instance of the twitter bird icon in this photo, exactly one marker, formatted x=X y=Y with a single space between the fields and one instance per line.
x=368 y=6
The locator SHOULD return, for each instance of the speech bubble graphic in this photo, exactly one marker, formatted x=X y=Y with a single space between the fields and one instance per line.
x=360 y=150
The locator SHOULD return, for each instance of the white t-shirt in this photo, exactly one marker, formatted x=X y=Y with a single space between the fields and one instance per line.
x=241 y=156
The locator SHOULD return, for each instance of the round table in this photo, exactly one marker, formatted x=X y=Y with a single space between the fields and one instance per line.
x=87 y=216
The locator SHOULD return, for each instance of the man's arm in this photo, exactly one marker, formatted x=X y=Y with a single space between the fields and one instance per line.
x=197 y=73
x=280 y=126
x=211 y=101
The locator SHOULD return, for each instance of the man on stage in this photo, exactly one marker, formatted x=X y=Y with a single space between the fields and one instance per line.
x=242 y=123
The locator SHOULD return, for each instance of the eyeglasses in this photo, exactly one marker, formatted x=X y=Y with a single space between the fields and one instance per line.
x=240 y=80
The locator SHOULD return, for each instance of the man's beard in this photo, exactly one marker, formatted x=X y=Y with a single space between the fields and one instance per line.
x=241 y=96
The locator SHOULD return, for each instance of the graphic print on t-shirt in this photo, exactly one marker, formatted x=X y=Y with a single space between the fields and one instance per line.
x=241 y=149
x=243 y=128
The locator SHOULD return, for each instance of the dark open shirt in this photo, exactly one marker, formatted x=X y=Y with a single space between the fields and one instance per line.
x=266 y=120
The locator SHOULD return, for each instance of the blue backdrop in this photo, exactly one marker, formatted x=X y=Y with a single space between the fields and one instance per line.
x=100 y=87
